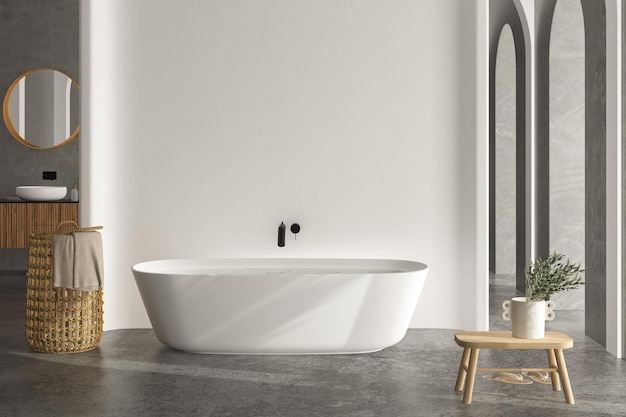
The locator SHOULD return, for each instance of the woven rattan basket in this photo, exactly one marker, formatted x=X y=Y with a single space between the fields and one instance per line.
x=58 y=320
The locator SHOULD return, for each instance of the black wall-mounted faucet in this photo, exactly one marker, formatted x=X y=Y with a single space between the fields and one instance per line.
x=281 y=234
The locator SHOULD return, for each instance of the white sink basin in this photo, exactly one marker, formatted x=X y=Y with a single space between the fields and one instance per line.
x=40 y=192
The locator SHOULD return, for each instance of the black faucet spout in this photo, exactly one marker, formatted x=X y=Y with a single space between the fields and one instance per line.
x=281 y=234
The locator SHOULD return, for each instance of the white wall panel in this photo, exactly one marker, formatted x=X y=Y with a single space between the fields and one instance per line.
x=207 y=123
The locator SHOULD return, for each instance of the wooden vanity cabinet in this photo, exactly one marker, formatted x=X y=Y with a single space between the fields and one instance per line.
x=19 y=220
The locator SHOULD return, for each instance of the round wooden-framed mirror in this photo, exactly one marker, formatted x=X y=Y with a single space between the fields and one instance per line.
x=41 y=108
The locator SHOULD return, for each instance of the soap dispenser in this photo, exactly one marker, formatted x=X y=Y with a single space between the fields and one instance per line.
x=74 y=193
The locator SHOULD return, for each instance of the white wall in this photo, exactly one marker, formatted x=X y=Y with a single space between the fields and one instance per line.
x=207 y=123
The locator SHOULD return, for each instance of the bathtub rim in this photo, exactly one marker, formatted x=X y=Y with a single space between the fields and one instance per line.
x=385 y=266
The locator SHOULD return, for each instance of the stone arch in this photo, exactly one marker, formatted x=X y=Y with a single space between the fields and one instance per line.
x=502 y=13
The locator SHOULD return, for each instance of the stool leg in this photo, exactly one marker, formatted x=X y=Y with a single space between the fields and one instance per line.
x=556 y=383
x=460 y=378
x=471 y=375
x=567 y=389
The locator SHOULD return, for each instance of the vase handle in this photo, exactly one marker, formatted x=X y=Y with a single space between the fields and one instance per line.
x=550 y=310
x=506 y=313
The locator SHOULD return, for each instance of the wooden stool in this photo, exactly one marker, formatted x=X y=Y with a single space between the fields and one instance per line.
x=472 y=342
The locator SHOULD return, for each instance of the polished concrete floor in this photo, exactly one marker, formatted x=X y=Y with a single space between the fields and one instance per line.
x=132 y=374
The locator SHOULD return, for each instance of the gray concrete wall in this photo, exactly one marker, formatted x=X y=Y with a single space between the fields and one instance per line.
x=560 y=119
x=33 y=34
x=560 y=126
x=505 y=115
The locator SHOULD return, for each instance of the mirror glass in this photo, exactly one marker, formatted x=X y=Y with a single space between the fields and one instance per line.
x=41 y=108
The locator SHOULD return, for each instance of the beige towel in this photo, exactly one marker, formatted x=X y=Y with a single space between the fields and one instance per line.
x=88 y=265
x=78 y=261
x=63 y=259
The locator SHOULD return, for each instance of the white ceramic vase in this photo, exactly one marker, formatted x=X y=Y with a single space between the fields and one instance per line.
x=528 y=318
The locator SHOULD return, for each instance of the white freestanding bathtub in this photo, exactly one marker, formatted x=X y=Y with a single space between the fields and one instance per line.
x=280 y=306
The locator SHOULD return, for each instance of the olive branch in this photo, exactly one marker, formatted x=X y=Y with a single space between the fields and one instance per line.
x=550 y=276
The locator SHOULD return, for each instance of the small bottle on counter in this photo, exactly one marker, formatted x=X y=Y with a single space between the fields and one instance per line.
x=74 y=193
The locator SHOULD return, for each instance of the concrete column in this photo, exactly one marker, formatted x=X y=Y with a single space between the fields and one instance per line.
x=544 y=12
x=594 y=13
x=501 y=13
x=623 y=93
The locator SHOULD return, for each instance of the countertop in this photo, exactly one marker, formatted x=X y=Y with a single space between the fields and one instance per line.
x=18 y=200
